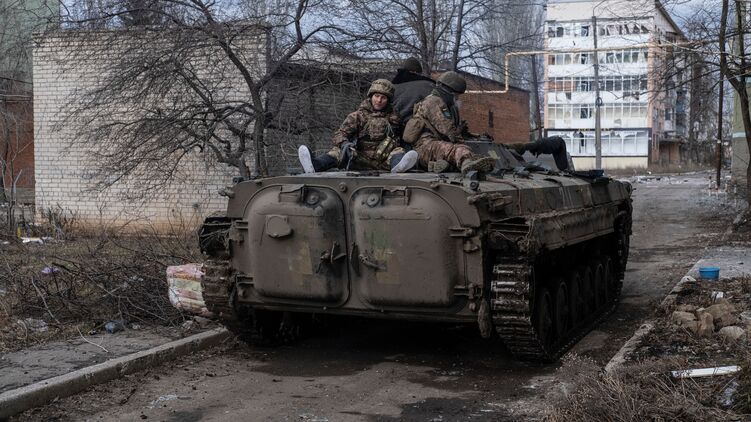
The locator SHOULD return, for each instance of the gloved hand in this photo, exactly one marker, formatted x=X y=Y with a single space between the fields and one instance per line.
x=349 y=152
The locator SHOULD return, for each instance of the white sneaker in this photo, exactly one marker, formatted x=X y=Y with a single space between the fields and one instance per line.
x=303 y=154
x=407 y=162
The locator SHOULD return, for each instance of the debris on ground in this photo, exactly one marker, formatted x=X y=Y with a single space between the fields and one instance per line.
x=700 y=331
x=114 y=326
x=706 y=372
x=32 y=324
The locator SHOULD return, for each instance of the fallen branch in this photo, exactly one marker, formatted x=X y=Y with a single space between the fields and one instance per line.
x=44 y=301
x=91 y=342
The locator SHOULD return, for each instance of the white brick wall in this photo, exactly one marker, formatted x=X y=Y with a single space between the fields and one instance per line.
x=63 y=167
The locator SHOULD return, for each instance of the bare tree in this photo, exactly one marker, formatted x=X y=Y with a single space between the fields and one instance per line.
x=17 y=22
x=445 y=34
x=715 y=28
x=735 y=67
x=196 y=83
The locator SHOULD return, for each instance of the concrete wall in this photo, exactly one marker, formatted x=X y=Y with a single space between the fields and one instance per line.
x=64 y=168
x=613 y=163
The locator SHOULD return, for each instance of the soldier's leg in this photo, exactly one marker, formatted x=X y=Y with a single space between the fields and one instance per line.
x=321 y=163
x=430 y=151
x=400 y=161
x=463 y=158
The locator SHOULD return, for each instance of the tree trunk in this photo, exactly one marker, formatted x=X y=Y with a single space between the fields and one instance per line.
x=743 y=91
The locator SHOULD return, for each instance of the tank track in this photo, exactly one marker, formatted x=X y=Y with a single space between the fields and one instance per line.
x=218 y=295
x=512 y=292
x=259 y=327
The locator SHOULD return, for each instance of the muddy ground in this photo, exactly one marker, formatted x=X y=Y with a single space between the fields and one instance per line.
x=384 y=371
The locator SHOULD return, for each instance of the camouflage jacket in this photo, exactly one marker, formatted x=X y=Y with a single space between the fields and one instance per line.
x=441 y=121
x=368 y=126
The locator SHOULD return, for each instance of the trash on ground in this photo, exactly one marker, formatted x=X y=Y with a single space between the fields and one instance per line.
x=32 y=324
x=37 y=240
x=50 y=270
x=114 y=326
x=184 y=288
x=717 y=295
x=165 y=398
x=709 y=273
x=706 y=372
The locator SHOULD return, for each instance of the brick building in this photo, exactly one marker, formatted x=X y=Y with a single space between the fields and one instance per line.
x=16 y=146
x=309 y=99
x=503 y=116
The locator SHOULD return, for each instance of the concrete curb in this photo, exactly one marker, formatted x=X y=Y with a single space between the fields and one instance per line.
x=631 y=344
x=37 y=394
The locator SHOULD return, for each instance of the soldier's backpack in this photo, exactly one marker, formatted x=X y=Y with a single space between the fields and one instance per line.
x=416 y=125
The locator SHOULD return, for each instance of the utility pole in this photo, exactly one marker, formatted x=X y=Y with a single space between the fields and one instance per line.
x=598 y=100
x=719 y=131
x=538 y=117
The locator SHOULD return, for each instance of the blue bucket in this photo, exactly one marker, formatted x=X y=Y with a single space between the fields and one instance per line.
x=709 y=273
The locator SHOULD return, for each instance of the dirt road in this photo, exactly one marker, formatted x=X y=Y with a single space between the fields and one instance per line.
x=383 y=371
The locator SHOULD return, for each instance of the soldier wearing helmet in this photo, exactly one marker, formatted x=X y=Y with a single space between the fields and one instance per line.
x=410 y=87
x=435 y=130
x=367 y=139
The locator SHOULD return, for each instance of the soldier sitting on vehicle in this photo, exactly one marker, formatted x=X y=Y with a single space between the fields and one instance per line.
x=554 y=145
x=435 y=130
x=410 y=87
x=367 y=139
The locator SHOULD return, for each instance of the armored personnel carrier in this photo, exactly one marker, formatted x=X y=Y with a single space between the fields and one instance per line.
x=534 y=255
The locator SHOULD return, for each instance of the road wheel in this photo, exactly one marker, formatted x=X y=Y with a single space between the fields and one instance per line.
x=543 y=318
x=577 y=308
x=608 y=276
x=562 y=310
x=600 y=288
x=588 y=291
x=276 y=327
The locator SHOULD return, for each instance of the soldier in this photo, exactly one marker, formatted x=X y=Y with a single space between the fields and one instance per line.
x=435 y=130
x=410 y=87
x=367 y=139
x=554 y=145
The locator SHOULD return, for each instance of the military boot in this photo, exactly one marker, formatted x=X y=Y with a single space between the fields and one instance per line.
x=482 y=164
x=401 y=163
x=438 y=166
x=313 y=165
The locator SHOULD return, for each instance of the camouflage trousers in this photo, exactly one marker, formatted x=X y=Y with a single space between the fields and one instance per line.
x=363 y=160
x=434 y=150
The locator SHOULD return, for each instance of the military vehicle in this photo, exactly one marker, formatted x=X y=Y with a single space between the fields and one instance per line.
x=533 y=254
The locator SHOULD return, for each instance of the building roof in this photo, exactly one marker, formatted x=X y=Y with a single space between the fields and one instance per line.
x=658 y=5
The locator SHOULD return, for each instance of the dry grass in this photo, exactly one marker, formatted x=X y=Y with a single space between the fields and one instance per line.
x=640 y=392
x=83 y=280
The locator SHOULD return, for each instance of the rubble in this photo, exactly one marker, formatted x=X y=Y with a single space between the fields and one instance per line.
x=723 y=313
x=704 y=325
x=687 y=308
x=731 y=333
x=682 y=318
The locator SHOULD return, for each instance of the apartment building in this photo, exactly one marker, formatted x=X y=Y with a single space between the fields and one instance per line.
x=643 y=94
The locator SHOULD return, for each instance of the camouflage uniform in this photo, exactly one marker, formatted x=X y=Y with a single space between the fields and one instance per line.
x=369 y=127
x=441 y=137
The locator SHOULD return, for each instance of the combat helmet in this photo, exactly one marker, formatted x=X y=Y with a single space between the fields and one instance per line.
x=453 y=81
x=381 y=86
